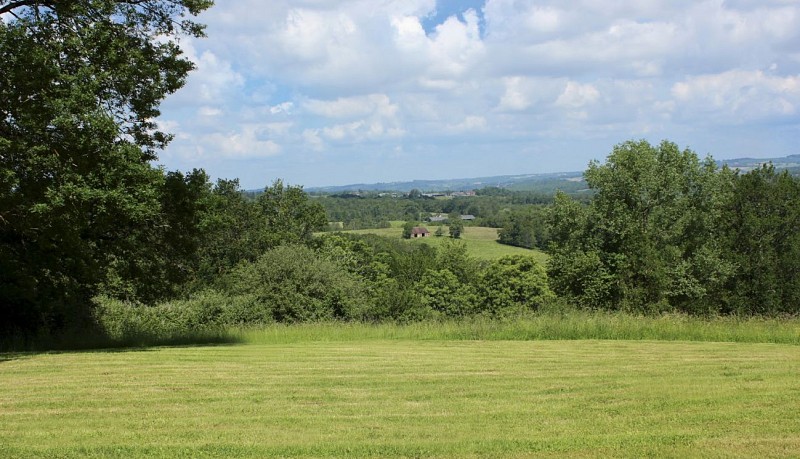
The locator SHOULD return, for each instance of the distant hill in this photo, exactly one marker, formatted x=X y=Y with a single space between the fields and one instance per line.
x=526 y=182
x=791 y=163
x=545 y=183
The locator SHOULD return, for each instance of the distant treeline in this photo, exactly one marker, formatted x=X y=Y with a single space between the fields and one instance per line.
x=492 y=207
x=659 y=230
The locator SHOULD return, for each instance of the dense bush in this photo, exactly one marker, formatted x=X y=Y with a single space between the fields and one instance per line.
x=122 y=320
x=444 y=294
x=296 y=284
x=526 y=228
x=513 y=284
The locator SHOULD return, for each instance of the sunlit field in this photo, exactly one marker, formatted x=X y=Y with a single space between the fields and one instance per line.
x=481 y=241
x=325 y=391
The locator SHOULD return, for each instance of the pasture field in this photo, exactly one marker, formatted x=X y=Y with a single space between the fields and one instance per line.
x=481 y=241
x=289 y=396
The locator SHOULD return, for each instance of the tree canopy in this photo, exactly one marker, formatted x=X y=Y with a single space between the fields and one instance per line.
x=649 y=238
x=80 y=87
x=456 y=225
x=666 y=231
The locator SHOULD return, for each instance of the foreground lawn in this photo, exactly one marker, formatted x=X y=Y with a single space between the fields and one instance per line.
x=406 y=398
x=481 y=241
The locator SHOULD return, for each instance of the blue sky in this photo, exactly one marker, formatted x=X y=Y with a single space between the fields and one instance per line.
x=332 y=92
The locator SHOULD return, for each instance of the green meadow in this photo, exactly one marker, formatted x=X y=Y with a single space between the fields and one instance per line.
x=481 y=242
x=421 y=390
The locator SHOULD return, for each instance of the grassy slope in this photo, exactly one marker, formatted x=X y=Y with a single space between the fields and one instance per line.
x=406 y=398
x=481 y=241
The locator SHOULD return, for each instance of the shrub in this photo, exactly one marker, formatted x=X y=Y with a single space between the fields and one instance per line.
x=295 y=284
x=124 y=321
x=442 y=292
x=513 y=284
x=581 y=277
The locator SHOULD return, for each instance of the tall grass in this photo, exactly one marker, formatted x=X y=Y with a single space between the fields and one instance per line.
x=571 y=325
x=574 y=325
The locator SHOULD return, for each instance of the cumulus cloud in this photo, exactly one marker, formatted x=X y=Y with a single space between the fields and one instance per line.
x=515 y=97
x=213 y=81
x=544 y=19
x=469 y=124
x=740 y=95
x=577 y=95
x=455 y=47
x=303 y=76
x=251 y=141
x=373 y=104
x=246 y=143
x=283 y=107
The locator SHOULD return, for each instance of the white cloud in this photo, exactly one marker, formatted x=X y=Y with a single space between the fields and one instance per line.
x=408 y=33
x=577 y=95
x=168 y=125
x=312 y=35
x=209 y=111
x=280 y=129
x=531 y=93
x=470 y=124
x=284 y=107
x=514 y=97
x=305 y=75
x=739 y=95
x=248 y=142
x=545 y=19
x=359 y=131
x=312 y=139
x=214 y=79
x=373 y=104
x=455 y=47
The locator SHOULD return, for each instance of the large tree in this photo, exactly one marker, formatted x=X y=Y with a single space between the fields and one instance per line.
x=456 y=225
x=651 y=236
x=80 y=85
x=762 y=239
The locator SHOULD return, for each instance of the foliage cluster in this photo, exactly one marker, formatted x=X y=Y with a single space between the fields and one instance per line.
x=492 y=207
x=80 y=202
x=526 y=227
x=668 y=232
x=455 y=225
x=345 y=278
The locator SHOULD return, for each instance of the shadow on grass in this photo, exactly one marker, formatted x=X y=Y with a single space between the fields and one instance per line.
x=8 y=357
x=26 y=348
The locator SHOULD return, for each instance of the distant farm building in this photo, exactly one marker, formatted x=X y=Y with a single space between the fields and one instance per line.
x=457 y=194
x=444 y=218
x=419 y=231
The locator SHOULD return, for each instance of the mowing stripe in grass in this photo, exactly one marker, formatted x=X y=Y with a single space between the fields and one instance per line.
x=399 y=398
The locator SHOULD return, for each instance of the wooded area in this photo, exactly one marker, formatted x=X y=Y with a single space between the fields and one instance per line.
x=94 y=237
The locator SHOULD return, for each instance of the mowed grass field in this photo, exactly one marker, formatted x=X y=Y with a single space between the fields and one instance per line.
x=406 y=398
x=481 y=241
